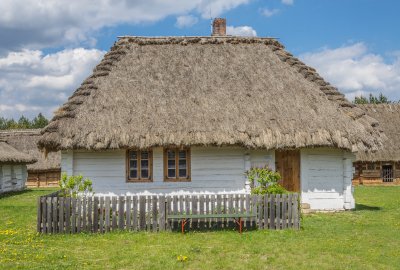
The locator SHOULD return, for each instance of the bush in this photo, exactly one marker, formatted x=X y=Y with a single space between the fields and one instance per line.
x=267 y=180
x=72 y=185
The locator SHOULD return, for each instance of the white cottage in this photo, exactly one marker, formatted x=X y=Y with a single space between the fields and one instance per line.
x=169 y=114
x=13 y=171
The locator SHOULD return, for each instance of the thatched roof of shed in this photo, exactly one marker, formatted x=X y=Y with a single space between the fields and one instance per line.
x=26 y=141
x=207 y=91
x=388 y=116
x=9 y=154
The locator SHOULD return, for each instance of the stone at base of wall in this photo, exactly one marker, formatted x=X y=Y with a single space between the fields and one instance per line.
x=12 y=190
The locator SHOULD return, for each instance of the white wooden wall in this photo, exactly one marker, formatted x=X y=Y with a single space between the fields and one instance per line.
x=12 y=177
x=325 y=173
x=213 y=169
x=326 y=178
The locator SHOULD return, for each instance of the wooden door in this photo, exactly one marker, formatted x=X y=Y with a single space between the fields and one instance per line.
x=287 y=163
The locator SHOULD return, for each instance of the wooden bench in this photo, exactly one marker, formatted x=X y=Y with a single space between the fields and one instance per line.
x=238 y=218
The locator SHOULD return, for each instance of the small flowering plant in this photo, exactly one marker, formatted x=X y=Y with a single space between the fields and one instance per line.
x=72 y=185
x=267 y=181
x=181 y=258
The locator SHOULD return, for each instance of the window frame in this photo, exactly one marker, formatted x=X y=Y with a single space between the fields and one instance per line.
x=188 y=178
x=139 y=179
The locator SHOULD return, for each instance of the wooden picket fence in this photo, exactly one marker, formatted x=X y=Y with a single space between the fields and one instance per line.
x=135 y=213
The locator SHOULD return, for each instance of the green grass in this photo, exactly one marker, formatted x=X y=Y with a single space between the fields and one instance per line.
x=368 y=238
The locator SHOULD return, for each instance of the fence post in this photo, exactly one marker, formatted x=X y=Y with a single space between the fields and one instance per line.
x=39 y=215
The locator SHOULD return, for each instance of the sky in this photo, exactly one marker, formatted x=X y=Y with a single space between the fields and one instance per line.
x=48 y=47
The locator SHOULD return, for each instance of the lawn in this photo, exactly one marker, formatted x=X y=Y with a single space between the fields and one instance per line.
x=367 y=238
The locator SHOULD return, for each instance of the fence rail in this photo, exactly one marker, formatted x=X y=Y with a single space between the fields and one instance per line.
x=103 y=214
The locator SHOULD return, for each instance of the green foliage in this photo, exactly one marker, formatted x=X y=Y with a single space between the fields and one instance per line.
x=380 y=99
x=23 y=123
x=267 y=180
x=72 y=185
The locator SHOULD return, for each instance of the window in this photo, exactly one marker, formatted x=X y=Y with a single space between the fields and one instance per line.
x=139 y=166
x=176 y=164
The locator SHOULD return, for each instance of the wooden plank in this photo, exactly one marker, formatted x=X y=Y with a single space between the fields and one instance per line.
x=195 y=222
x=107 y=213
x=39 y=215
x=213 y=210
x=49 y=216
x=289 y=211
x=121 y=216
x=272 y=212
x=168 y=225
x=201 y=211
x=296 y=211
x=230 y=210
x=128 y=213
x=114 y=224
x=175 y=209
x=154 y=203
x=161 y=215
x=43 y=211
x=142 y=213
x=278 y=212
x=254 y=199
x=148 y=213
x=260 y=212
x=89 y=224
x=207 y=210
x=266 y=208
x=284 y=206
x=135 y=213
x=79 y=214
x=73 y=215
x=84 y=213
x=219 y=210
x=95 y=214
x=55 y=215
x=101 y=218
x=68 y=215
x=61 y=214
x=247 y=200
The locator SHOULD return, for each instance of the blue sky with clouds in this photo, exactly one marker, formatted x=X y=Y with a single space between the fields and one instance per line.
x=48 y=47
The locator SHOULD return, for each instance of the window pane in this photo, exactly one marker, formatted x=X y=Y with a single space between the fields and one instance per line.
x=144 y=164
x=133 y=164
x=182 y=164
x=133 y=154
x=145 y=173
x=171 y=154
x=182 y=154
x=171 y=173
x=144 y=155
x=171 y=164
x=133 y=174
x=182 y=173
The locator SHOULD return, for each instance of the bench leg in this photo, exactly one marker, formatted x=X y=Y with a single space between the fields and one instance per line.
x=239 y=222
x=183 y=223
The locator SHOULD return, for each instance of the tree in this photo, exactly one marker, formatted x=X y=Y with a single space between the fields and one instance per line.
x=380 y=99
x=39 y=121
x=24 y=123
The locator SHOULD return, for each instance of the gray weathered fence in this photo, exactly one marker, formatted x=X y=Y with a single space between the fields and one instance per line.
x=135 y=213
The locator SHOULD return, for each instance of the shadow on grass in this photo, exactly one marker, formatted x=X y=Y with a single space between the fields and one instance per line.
x=360 y=207
x=214 y=226
x=14 y=193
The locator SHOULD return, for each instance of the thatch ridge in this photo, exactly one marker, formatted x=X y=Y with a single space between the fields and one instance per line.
x=229 y=91
x=9 y=154
x=388 y=116
x=25 y=140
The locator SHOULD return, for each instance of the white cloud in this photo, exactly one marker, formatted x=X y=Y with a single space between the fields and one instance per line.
x=186 y=21
x=287 y=2
x=246 y=31
x=355 y=70
x=269 y=12
x=37 y=24
x=31 y=82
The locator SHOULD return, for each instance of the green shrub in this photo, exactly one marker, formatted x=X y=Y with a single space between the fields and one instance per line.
x=267 y=180
x=72 y=185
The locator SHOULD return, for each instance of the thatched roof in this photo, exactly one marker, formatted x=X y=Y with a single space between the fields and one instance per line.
x=207 y=91
x=26 y=141
x=388 y=116
x=9 y=154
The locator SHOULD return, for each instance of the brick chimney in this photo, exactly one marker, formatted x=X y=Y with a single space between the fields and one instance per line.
x=219 y=27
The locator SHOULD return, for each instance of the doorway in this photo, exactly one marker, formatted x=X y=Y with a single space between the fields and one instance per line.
x=387 y=173
x=287 y=163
